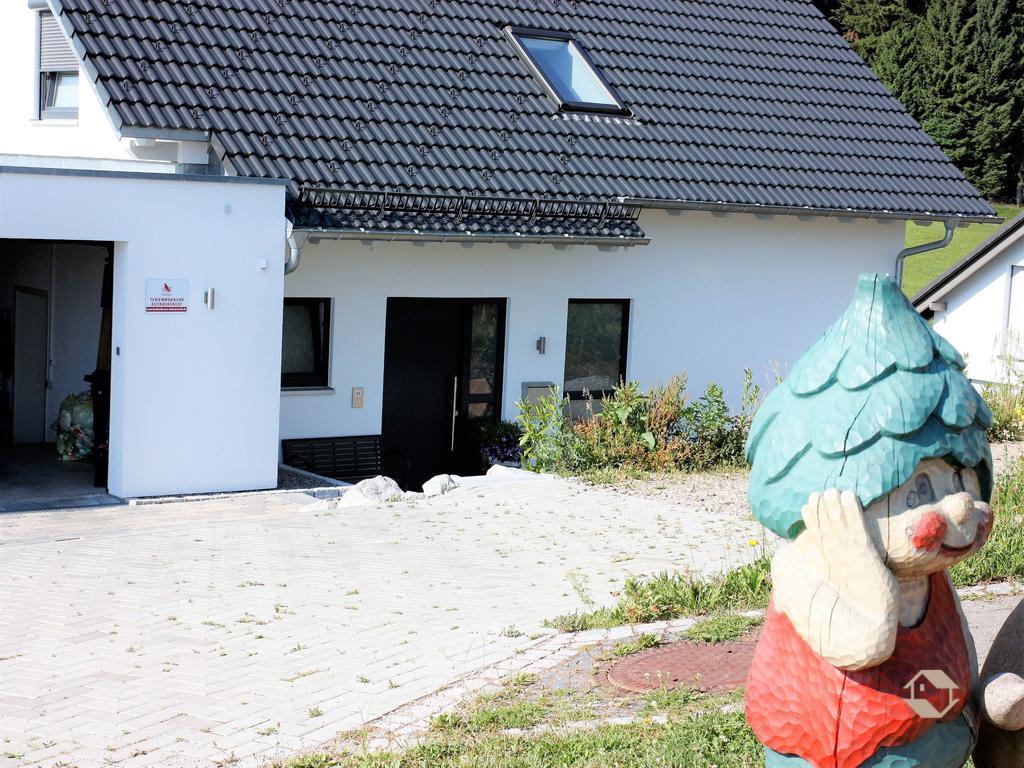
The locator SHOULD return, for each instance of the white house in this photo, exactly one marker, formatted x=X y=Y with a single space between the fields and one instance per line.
x=978 y=304
x=381 y=223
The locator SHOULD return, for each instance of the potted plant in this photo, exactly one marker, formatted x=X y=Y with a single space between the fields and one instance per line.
x=499 y=443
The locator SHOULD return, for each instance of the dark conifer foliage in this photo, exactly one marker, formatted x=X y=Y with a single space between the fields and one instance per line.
x=958 y=67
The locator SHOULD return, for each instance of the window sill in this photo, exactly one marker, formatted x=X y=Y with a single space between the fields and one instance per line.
x=296 y=391
x=54 y=122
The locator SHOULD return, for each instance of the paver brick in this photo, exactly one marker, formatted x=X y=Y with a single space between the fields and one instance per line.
x=173 y=635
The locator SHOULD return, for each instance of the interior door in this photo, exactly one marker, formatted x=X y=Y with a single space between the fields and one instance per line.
x=31 y=329
x=442 y=375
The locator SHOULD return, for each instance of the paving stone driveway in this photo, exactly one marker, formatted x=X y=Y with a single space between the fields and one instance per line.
x=236 y=630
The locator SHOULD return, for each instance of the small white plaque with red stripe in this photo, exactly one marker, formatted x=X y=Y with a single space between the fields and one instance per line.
x=166 y=296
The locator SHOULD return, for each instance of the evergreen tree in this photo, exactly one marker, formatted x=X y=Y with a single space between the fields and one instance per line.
x=897 y=62
x=950 y=84
x=995 y=138
x=958 y=67
x=865 y=23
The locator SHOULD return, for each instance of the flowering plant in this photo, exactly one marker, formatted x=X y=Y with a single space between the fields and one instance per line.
x=499 y=442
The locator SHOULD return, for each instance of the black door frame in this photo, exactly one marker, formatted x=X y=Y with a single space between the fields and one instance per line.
x=464 y=399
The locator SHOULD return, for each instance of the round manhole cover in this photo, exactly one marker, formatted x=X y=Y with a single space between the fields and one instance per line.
x=707 y=668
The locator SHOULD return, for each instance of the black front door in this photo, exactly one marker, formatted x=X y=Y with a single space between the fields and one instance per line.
x=442 y=379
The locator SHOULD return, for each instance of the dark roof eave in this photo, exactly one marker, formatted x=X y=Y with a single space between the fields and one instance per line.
x=782 y=210
x=938 y=287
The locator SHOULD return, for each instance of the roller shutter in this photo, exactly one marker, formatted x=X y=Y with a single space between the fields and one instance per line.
x=55 y=55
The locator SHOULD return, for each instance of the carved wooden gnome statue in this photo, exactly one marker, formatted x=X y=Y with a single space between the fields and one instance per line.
x=872 y=460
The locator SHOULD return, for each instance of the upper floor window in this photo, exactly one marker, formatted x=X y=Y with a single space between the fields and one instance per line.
x=565 y=70
x=58 y=72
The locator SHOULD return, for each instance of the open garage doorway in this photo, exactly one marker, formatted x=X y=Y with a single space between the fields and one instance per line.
x=55 y=324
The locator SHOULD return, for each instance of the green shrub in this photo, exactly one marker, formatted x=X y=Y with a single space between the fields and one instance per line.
x=1006 y=401
x=630 y=430
x=717 y=437
x=1006 y=398
x=1002 y=557
x=547 y=438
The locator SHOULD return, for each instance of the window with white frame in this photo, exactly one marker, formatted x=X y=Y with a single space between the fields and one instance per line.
x=58 y=72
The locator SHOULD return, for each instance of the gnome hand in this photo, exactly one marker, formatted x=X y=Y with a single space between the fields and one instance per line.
x=1002 y=701
x=833 y=585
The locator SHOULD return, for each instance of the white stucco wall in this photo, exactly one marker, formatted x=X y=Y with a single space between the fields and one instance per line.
x=21 y=132
x=711 y=295
x=981 y=310
x=194 y=397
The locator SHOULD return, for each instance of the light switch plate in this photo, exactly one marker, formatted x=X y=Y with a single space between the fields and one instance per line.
x=357 y=397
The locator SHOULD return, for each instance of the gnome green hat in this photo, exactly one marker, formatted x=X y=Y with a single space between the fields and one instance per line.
x=874 y=396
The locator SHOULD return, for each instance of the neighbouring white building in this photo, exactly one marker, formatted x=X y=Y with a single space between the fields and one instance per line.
x=349 y=234
x=978 y=304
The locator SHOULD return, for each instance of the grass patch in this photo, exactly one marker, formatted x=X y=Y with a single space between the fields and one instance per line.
x=671 y=595
x=722 y=739
x=1002 y=558
x=922 y=269
x=722 y=629
x=511 y=708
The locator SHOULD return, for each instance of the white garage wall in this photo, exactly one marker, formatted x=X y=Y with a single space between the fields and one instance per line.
x=978 y=314
x=195 y=397
x=711 y=296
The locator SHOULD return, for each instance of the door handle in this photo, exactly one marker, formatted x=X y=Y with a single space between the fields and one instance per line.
x=455 y=403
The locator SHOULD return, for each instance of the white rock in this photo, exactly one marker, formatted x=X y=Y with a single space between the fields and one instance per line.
x=376 y=490
x=440 y=485
x=502 y=472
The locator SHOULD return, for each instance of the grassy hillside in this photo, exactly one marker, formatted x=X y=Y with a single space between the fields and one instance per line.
x=925 y=267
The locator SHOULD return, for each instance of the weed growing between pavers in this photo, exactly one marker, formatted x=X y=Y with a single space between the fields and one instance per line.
x=641 y=643
x=672 y=595
x=722 y=629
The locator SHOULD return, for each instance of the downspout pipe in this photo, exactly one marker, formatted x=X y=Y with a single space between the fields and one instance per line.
x=951 y=225
x=294 y=241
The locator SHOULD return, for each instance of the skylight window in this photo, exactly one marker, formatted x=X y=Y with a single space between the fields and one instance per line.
x=566 y=72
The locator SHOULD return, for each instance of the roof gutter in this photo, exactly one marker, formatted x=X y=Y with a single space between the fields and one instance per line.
x=314 y=236
x=784 y=210
x=951 y=225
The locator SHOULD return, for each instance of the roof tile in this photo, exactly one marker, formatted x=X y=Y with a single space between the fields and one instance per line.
x=739 y=101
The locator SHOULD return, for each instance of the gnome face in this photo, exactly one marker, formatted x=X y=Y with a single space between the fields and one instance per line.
x=932 y=521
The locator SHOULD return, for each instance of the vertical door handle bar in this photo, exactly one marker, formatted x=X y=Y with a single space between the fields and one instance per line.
x=455 y=402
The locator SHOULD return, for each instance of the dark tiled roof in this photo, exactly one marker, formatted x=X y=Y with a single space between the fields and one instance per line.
x=734 y=101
